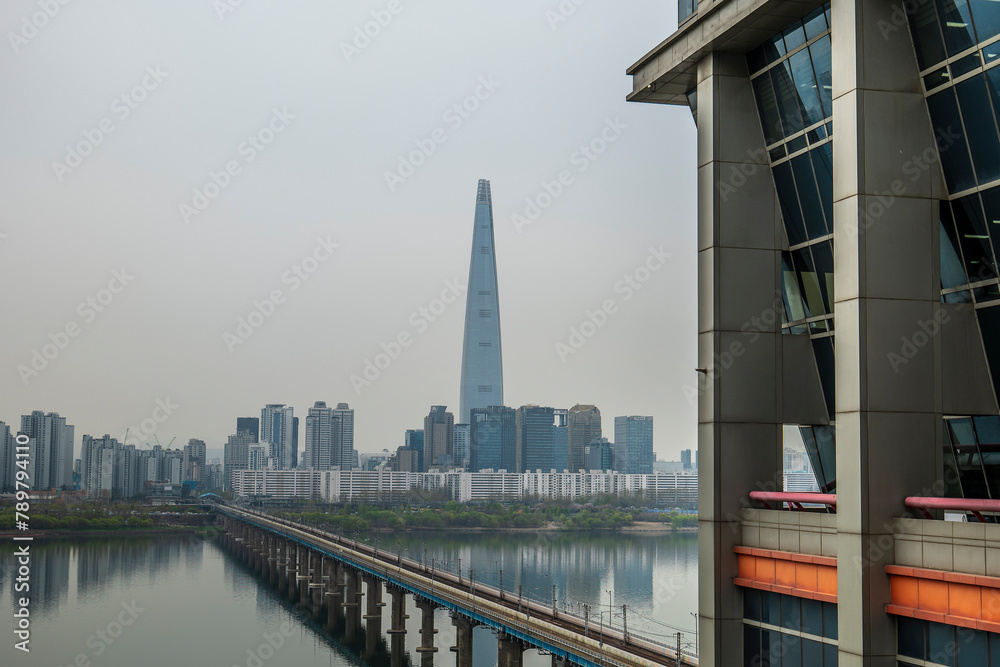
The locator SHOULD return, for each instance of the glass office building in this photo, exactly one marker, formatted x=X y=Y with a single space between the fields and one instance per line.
x=848 y=220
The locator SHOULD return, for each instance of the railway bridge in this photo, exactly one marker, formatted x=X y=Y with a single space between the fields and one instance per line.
x=325 y=573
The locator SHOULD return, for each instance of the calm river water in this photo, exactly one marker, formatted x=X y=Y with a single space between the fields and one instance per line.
x=134 y=601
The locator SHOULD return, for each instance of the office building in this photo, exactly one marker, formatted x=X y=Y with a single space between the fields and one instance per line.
x=584 y=426
x=439 y=438
x=8 y=459
x=50 y=465
x=413 y=440
x=601 y=456
x=278 y=428
x=634 y=441
x=534 y=446
x=848 y=168
x=343 y=453
x=251 y=424
x=482 y=360
x=492 y=439
x=686 y=459
x=560 y=439
x=194 y=460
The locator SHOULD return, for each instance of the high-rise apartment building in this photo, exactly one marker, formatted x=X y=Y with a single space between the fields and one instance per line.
x=533 y=444
x=439 y=438
x=634 y=441
x=413 y=440
x=50 y=465
x=462 y=451
x=686 y=459
x=98 y=458
x=194 y=460
x=7 y=459
x=236 y=456
x=482 y=360
x=492 y=438
x=278 y=428
x=848 y=197
x=584 y=426
x=343 y=452
x=319 y=437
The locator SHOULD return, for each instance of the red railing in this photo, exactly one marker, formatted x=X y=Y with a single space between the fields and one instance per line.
x=793 y=499
x=974 y=506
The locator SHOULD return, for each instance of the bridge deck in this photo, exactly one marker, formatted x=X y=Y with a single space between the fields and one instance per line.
x=559 y=633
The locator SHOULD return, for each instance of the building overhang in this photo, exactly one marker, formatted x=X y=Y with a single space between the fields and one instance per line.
x=669 y=71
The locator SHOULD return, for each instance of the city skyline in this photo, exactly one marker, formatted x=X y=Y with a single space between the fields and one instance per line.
x=358 y=264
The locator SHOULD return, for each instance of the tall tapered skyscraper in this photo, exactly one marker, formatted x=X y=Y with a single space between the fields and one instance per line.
x=482 y=360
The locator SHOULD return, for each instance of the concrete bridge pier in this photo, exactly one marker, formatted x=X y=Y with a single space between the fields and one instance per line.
x=352 y=609
x=293 y=571
x=302 y=580
x=397 y=613
x=272 y=561
x=510 y=651
x=282 y=567
x=397 y=650
x=334 y=596
x=373 y=614
x=316 y=586
x=427 y=632
x=463 y=640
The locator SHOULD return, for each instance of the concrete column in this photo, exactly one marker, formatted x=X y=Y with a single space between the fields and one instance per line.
x=463 y=641
x=333 y=596
x=427 y=632
x=373 y=598
x=283 y=566
x=293 y=570
x=509 y=651
x=397 y=621
x=397 y=649
x=316 y=586
x=886 y=250
x=302 y=580
x=352 y=608
x=739 y=291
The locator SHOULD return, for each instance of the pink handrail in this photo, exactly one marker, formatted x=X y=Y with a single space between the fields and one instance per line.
x=794 y=499
x=974 y=506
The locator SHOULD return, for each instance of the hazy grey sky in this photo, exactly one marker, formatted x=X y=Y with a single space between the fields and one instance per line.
x=176 y=162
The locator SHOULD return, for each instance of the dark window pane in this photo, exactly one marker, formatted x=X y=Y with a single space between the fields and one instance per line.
x=772 y=608
x=795 y=308
x=815 y=23
x=823 y=349
x=994 y=650
x=956 y=22
x=791 y=612
x=787 y=98
x=993 y=86
x=989 y=322
x=803 y=263
x=797 y=144
x=941 y=643
x=966 y=64
x=766 y=637
x=756 y=60
x=812 y=652
x=812 y=617
x=926 y=34
x=991 y=53
x=955 y=156
x=812 y=208
x=972 y=648
x=938 y=77
x=805 y=84
x=751 y=604
x=685 y=8
x=795 y=36
x=822 y=62
x=791 y=651
x=961 y=431
x=789 y=201
x=767 y=108
x=991 y=207
x=986 y=14
x=952 y=267
x=979 y=123
x=823 y=258
x=986 y=293
x=777 y=153
x=751 y=646
x=821 y=447
x=830 y=656
x=973 y=237
x=779 y=45
x=910 y=637
x=829 y=620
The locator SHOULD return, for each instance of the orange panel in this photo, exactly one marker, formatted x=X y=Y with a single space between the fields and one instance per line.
x=964 y=600
x=933 y=596
x=826 y=578
x=765 y=570
x=806 y=576
x=747 y=566
x=784 y=572
x=903 y=591
x=990 y=604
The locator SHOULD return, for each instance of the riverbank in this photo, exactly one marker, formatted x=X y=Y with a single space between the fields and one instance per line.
x=118 y=532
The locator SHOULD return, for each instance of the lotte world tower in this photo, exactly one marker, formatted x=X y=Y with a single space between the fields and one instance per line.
x=482 y=359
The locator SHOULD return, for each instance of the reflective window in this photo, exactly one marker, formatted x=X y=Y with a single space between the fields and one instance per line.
x=956 y=22
x=926 y=34
x=788 y=99
x=815 y=23
x=808 y=192
x=989 y=324
x=952 y=270
x=686 y=8
x=795 y=309
x=973 y=237
x=986 y=14
x=789 y=201
x=823 y=62
x=767 y=107
x=955 y=160
x=977 y=112
x=823 y=350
